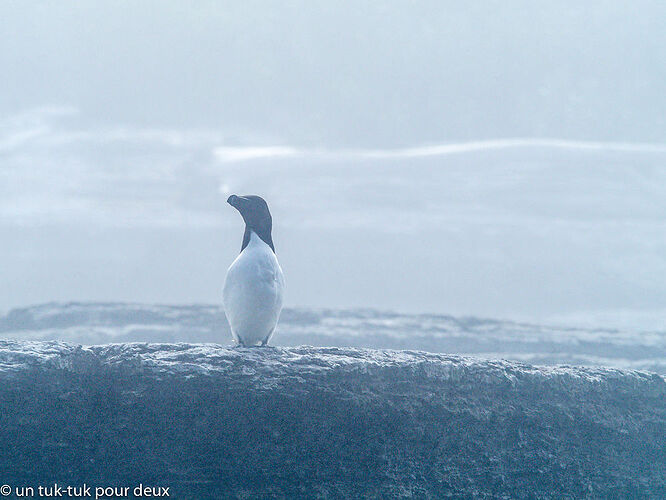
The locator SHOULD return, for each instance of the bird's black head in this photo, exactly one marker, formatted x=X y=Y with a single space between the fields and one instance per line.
x=256 y=215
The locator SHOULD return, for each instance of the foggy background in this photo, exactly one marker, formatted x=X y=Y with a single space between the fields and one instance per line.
x=501 y=159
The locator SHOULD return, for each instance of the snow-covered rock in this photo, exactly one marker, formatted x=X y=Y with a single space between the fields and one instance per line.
x=210 y=421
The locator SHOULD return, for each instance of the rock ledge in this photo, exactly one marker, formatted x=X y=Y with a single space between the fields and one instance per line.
x=211 y=421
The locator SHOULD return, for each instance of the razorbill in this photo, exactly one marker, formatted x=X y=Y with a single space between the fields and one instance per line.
x=254 y=285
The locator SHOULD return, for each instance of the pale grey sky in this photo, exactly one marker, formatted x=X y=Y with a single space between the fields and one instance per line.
x=490 y=158
x=362 y=73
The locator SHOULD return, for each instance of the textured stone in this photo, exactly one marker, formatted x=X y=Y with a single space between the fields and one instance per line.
x=211 y=422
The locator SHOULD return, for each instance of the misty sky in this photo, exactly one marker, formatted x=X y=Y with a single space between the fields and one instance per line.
x=489 y=158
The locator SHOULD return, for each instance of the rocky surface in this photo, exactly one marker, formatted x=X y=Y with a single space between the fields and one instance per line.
x=209 y=421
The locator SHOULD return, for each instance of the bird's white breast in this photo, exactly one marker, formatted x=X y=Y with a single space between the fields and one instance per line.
x=253 y=291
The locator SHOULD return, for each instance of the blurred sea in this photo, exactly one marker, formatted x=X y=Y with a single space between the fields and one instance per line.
x=98 y=323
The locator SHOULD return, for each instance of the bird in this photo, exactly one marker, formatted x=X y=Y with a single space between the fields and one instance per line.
x=254 y=285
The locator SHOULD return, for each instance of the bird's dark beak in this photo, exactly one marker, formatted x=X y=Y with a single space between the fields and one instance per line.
x=233 y=201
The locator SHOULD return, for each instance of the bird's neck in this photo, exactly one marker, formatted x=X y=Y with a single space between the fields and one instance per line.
x=264 y=235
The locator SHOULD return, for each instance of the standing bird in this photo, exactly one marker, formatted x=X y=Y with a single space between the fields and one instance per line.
x=254 y=284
